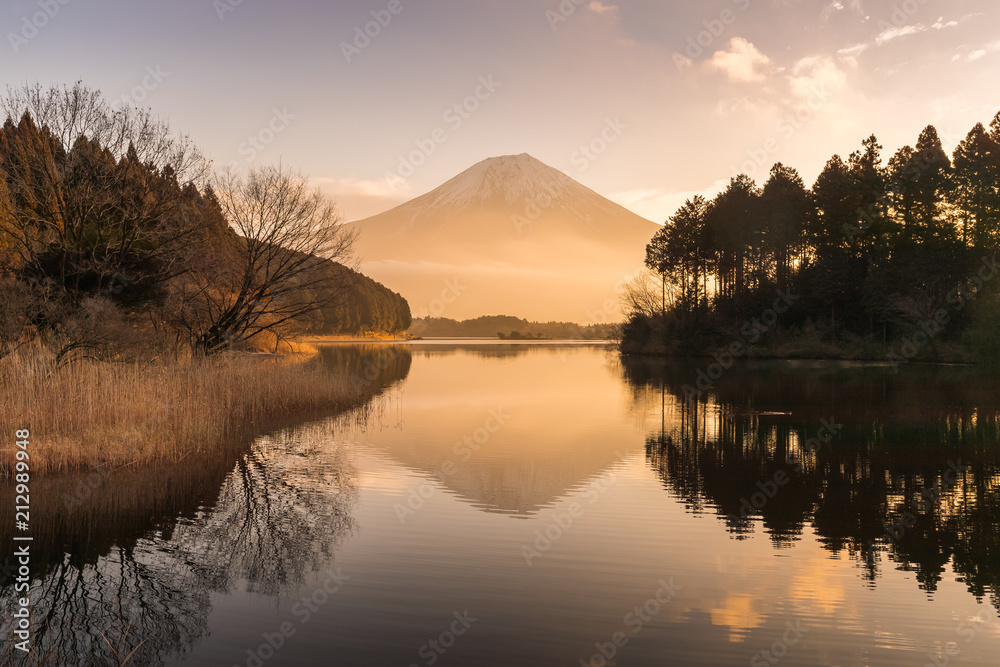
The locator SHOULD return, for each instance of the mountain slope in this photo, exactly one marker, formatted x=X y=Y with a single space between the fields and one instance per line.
x=509 y=235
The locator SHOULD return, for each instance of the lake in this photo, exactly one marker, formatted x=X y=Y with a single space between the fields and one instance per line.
x=553 y=505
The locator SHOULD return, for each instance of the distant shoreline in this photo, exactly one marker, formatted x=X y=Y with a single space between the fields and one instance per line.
x=338 y=340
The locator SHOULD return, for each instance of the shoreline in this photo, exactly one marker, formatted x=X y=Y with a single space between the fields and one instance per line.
x=953 y=355
x=101 y=415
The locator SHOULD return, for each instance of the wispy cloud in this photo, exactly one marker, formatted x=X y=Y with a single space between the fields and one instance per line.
x=901 y=31
x=972 y=55
x=941 y=25
x=851 y=54
x=891 y=34
x=658 y=204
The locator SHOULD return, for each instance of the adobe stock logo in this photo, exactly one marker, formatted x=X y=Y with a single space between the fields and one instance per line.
x=31 y=25
x=714 y=29
x=366 y=34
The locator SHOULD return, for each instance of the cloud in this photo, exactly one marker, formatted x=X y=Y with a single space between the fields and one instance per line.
x=916 y=28
x=743 y=62
x=853 y=51
x=816 y=76
x=941 y=25
x=658 y=204
x=601 y=8
x=971 y=56
x=902 y=31
x=838 y=6
x=850 y=54
x=358 y=198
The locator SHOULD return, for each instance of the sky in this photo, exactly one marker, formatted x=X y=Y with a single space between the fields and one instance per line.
x=645 y=101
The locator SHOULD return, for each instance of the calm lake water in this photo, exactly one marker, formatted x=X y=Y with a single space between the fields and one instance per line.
x=552 y=505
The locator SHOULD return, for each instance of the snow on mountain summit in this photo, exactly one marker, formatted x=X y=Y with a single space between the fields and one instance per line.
x=511 y=179
x=516 y=182
x=521 y=236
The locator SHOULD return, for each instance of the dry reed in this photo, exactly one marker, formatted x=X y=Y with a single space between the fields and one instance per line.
x=92 y=414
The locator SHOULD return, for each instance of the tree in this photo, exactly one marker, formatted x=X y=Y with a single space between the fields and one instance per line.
x=679 y=253
x=641 y=296
x=660 y=260
x=279 y=265
x=734 y=228
x=977 y=174
x=94 y=192
x=834 y=277
x=931 y=170
x=68 y=113
x=787 y=208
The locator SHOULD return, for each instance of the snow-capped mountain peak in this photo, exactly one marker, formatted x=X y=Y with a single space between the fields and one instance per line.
x=517 y=183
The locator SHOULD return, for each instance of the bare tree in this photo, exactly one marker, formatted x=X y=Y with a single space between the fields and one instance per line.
x=284 y=261
x=641 y=295
x=93 y=191
x=69 y=113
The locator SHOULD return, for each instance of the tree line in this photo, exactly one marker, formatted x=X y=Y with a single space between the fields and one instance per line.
x=871 y=251
x=509 y=328
x=116 y=234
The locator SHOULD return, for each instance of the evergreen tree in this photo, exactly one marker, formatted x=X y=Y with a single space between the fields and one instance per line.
x=977 y=172
x=734 y=228
x=787 y=207
x=931 y=170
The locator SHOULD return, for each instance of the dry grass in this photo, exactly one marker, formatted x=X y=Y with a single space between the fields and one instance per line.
x=92 y=414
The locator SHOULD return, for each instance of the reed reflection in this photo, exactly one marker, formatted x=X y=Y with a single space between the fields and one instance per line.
x=128 y=560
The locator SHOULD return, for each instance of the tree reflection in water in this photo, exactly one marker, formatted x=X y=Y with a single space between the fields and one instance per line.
x=886 y=471
x=279 y=516
x=136 y=562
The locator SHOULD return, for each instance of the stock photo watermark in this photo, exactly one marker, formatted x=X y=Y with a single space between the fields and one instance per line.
x=223 y=7
x=364 y=35
x=588 y=153
x=33 y=24
x=257 y=143
x=561 y=522
x=634 y=622
x=454 y=117
x=794 y=633
x=786 y=128
x=464 y=449
x=435 y=648
x=714 y=29
x=769 y=489
x=303 y=611
x=453 y=289
x=927 y=501
x=929 y=329
x=751 y=333
x=151 y=81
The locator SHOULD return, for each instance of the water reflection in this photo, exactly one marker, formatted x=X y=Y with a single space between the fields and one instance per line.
x=509 y=428
x=202 y=559
x=910 y=476
x=131 y=559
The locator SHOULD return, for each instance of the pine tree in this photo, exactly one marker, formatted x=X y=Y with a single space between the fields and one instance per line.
x=977 y=159
x=931 y=184
x=787 y=207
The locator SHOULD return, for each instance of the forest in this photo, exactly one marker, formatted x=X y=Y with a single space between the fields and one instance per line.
x=118 y=237
x=877 y=259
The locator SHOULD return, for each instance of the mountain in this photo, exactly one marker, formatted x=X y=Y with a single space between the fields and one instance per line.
x=510 y=235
